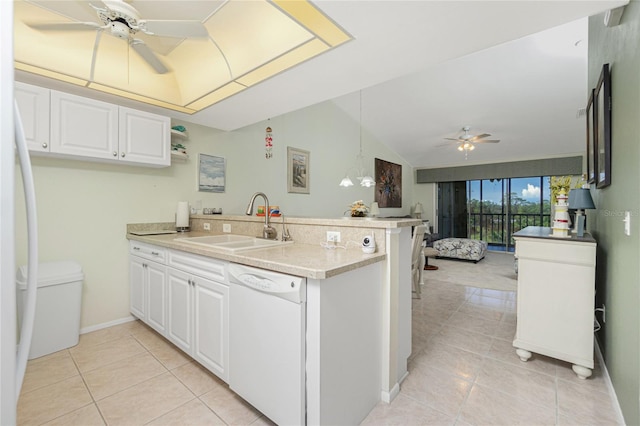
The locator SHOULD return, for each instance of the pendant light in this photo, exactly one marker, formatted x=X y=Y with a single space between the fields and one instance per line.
x=361 y=174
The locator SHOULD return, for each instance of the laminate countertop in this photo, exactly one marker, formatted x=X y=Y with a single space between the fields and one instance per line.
x=305 y=260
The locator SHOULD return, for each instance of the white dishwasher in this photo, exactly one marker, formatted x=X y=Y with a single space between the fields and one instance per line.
x=267 y=327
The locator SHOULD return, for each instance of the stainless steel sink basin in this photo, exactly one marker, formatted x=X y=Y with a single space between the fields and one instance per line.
x=231 y=242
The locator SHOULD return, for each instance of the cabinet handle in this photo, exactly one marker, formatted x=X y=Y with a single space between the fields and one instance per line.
x=137 y=248
x=115 y=154
x=155 y=253
x=44 y=145
x=122 y=155
x=193 y=282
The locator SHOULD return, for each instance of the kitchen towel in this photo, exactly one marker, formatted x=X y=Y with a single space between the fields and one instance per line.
x=182 y=214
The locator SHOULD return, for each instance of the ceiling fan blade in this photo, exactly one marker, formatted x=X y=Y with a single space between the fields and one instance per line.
x=453 y=139
x=148 y=55
x=178 y=29
x=67 y=26
x=488 y=141
x=481 y=136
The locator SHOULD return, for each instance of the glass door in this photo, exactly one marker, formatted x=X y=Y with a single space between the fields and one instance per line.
x=452 y=210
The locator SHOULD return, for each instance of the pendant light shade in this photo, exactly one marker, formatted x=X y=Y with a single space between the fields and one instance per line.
x=361 y=174
x=346 y=181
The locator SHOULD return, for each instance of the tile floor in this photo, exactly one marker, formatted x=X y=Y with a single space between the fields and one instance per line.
x=463 y=371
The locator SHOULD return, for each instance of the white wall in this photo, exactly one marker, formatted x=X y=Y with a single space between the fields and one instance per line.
x=83 y=207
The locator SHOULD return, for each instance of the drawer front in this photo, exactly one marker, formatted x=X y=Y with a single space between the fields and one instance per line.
x=202 y=266
x=556 y=251
x=148 y=251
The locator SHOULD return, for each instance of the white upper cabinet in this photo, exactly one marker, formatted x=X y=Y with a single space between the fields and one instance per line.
x=83 y=127
x=71 y=126
x=33 y=104
x=144 y=137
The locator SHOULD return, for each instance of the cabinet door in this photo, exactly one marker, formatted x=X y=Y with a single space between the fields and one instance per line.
x=179 y=303
x=211 y=341
x=156 y=296
x=83 y=127
x=144 y=137
x=137 y=287
x=33 y=104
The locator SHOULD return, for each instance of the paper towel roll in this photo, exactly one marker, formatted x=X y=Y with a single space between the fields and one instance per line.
x=182 y=214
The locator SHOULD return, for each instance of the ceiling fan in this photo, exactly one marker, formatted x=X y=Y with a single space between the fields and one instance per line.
x=123 y=21
x=468 y=138
x=466 y=141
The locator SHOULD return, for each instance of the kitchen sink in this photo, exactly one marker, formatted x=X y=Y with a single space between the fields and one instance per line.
x=232 y=243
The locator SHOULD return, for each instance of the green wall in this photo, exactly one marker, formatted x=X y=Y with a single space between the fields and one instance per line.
x=618 y=255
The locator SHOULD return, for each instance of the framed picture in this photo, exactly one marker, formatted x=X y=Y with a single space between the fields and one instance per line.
x=388 y=177
x=298 y=162
x=591 y=140
x=211 y=173
x=603 y=128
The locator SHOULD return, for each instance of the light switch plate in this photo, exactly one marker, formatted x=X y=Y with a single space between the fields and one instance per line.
x=627 y=223
x=226 y=227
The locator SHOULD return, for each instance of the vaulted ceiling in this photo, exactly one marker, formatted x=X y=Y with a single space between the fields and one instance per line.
x=514 y=69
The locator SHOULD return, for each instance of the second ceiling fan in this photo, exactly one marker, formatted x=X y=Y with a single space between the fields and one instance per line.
x=466 y=141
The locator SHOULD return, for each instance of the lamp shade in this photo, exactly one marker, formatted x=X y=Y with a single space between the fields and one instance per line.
x=375 y=209
x=580 y=199
x=418 y=208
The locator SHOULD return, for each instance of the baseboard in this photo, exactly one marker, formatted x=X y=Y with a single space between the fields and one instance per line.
x=607 y=379
x=107 y=324
x=391 y=395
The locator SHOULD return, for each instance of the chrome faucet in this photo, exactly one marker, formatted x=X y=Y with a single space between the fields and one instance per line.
x=268 y=232
x=285 y=232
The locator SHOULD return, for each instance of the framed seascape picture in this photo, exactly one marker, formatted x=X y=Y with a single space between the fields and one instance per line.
x=591 y=140
x=603 y=128
x=298 y=162
x=211 y=173
x=388 y=177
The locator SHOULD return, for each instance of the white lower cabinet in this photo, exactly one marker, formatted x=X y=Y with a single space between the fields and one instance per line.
x=185 y=298
x=199 y=319
x=148 y=283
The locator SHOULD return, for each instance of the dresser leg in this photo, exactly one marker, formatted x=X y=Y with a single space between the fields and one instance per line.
x=582 y=372
x=523 y=354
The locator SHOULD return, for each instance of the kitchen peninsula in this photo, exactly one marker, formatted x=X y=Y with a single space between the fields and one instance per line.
x=358 y=306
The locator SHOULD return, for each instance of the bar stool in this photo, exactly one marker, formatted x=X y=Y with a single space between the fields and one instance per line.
x=429 y=252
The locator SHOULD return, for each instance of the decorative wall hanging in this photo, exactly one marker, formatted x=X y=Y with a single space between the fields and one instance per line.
x=603 y=128
x=388 y=184
x=298 y=162
x=268 y=143
x=211 y=173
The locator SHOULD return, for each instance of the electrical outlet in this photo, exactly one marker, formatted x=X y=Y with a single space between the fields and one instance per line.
x=226 y=227
x=333 y=236
x=206 y=226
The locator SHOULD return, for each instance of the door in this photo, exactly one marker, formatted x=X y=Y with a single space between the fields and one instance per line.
x=144 y=137
x=83 y=127
x=33 y=102
x=156 y=281
x=180 y=311
x=136 y=287
x=211 y=316
x=452 y=209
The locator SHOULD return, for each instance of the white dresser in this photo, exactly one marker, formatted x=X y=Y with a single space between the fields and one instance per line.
x=556 y=290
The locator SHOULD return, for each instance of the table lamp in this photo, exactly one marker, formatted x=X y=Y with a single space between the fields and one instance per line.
x=418 y=211
x=375 y=209
x=580 y=199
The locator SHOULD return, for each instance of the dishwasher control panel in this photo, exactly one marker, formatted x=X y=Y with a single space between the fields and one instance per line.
x=287 y=287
